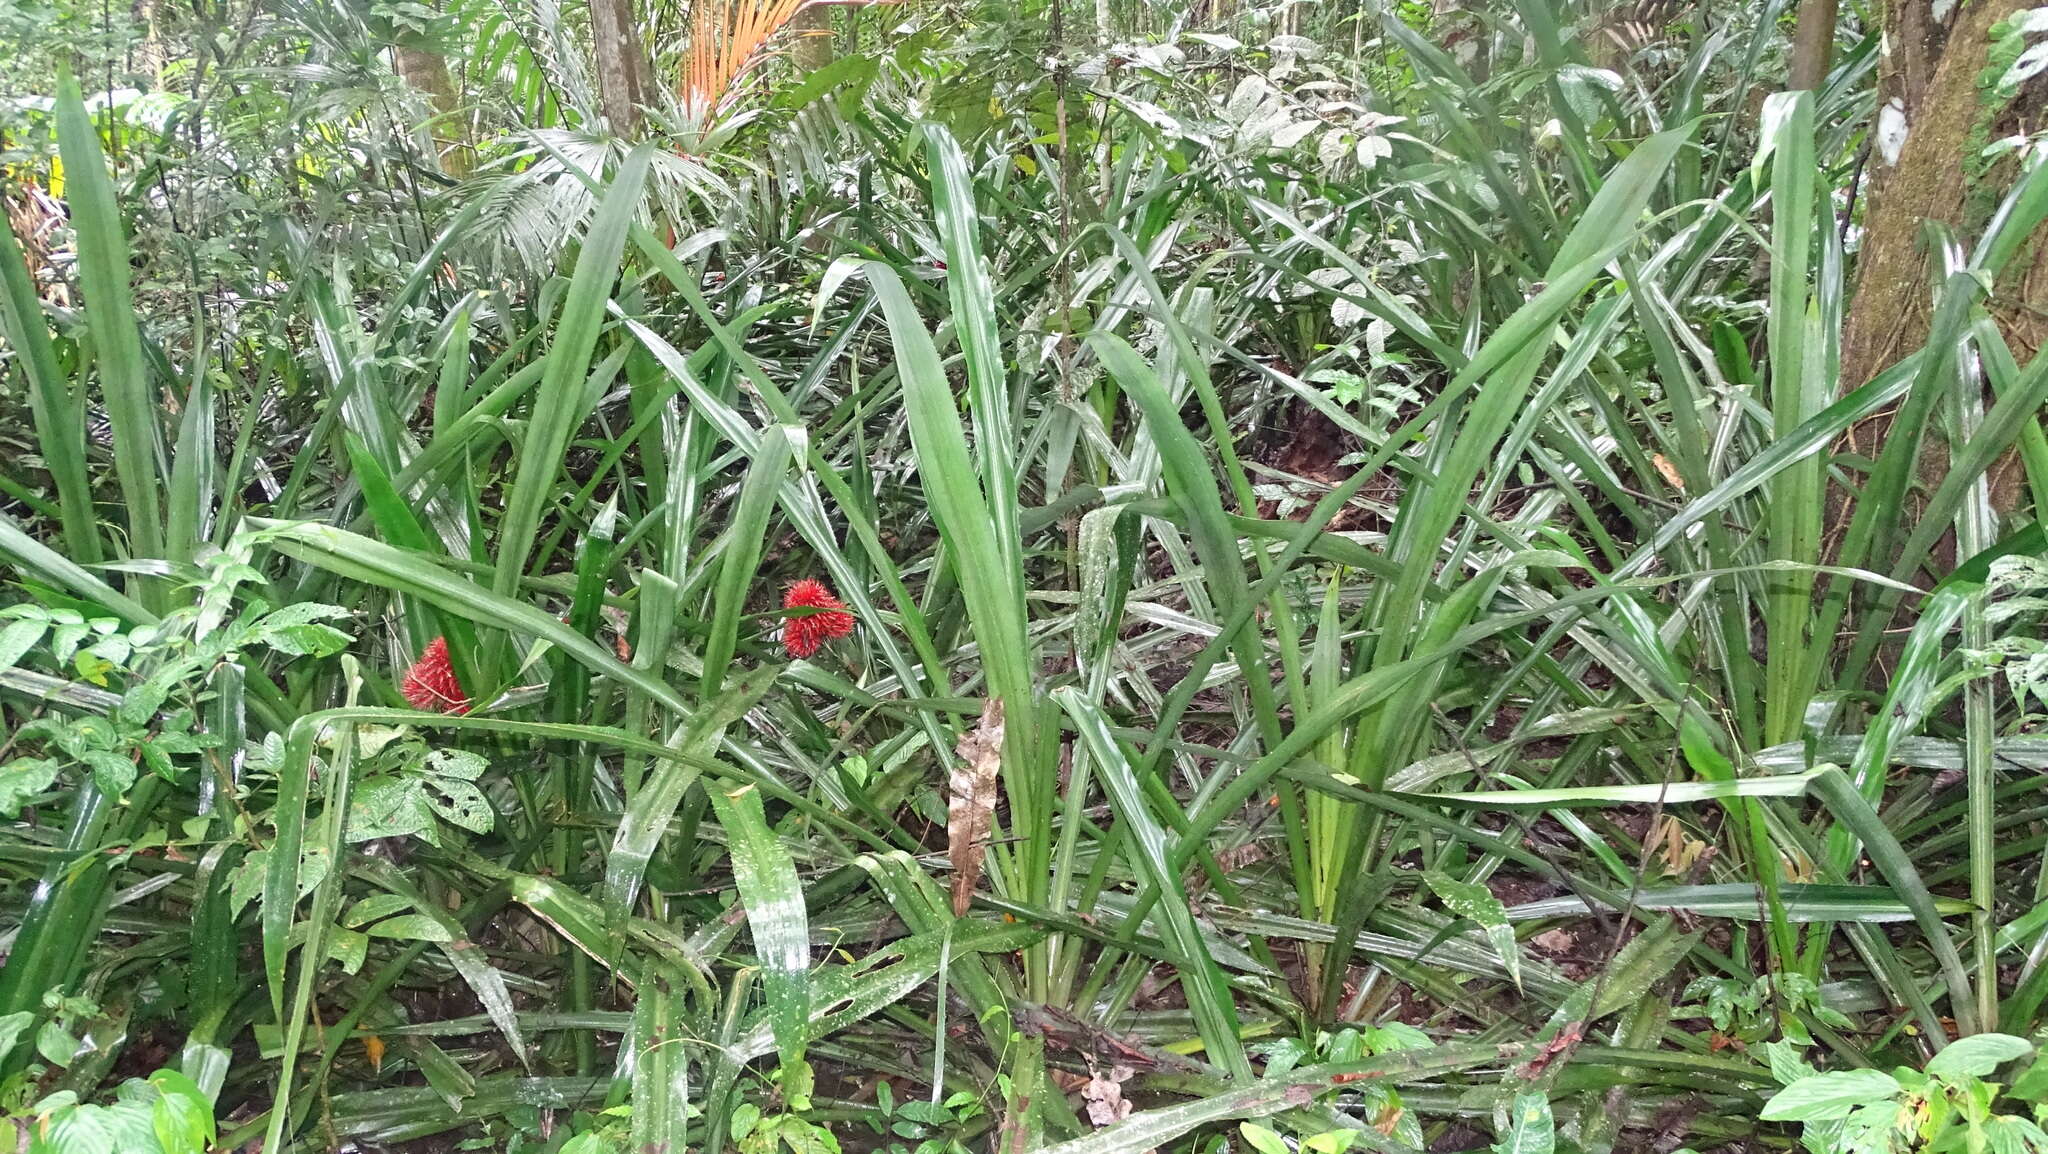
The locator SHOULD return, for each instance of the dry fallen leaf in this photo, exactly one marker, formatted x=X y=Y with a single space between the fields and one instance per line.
x=1105 y=1096
x=1234 y=858
x=1387 y=1119
x=1670 y=841
x=1668 y=471
x=1067 y=1081
x=1567 y=1038
x=1798 y=867
x=971 y=804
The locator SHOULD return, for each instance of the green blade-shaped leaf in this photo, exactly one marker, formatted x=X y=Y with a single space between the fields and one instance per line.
x=558 y=406
x=1153 y=1128
x=373 y=562
x=53 y=405
x=1476 y=902
x=745 y=536
x=648 y=814
x=1208 y=994
x=661 y=1066
x=111 y=318
x=774 y=900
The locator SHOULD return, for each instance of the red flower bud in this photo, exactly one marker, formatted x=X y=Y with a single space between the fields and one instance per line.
x=431 y=685
x=805 y=633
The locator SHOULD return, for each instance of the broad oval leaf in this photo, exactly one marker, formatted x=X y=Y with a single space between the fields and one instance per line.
x=1829 y=1095
x=1977 y=1055
x=1530 y=1127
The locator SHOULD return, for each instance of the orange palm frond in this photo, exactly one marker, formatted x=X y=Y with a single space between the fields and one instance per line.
x=728 y=37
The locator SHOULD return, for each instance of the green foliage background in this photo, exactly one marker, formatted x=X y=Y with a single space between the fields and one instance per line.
x=1368 y=482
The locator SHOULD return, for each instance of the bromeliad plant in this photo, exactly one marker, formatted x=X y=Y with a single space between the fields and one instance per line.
x=979 y=656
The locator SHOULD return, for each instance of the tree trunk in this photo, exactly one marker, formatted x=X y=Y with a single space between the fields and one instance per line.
x=1813 y=44
x=621 y=64
x=427 y=73
x=1929 y=81
x=149 y=55
x=812 y=29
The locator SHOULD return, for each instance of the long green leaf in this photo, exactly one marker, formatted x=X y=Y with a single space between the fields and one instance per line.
x=1849 y=807
x=1148 y=1129
x=746 y=535
x=111 y=318
x=774 y=900
x=37 y=560
x=373 y=562
x=283 y=882
x=53 y=404
x=661 y=1065
x=559 y=405
x=648 y=814
x=1208 y=995
x=973 y=301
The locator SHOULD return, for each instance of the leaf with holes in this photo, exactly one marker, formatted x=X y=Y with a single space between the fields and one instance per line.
x=448 y=780
x=391 y=807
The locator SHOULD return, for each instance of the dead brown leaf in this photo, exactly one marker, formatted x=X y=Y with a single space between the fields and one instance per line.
x=1670 y=841
x=971 y=802
x=1668 y=471
x=1104 y=1095
x=1067 y=1081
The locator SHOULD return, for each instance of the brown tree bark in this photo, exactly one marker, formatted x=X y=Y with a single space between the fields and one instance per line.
x=621 y=64
x=1930 y=76
x=812 y=29
x=427 y=73
x=1813 y=44
x=149 y=55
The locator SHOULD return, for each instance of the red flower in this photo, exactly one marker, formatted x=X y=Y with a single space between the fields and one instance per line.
x=827 y=619
x=430 y=684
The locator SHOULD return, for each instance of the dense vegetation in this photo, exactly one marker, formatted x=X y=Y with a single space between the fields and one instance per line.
x=936 y=577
